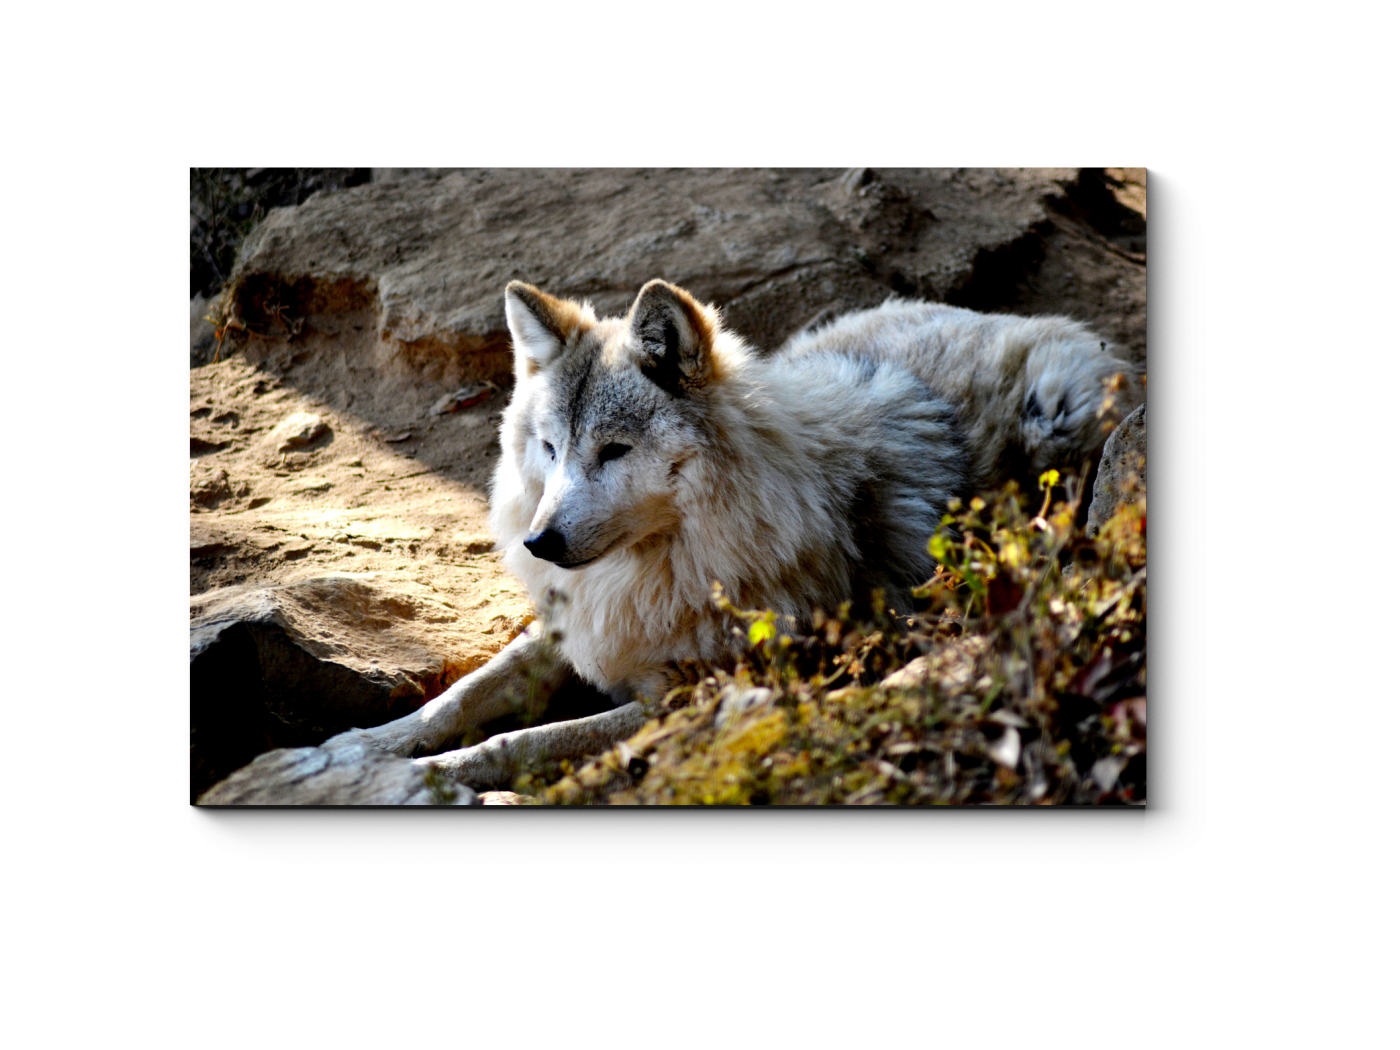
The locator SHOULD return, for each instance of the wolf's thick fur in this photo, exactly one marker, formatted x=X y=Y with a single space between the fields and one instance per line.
x=646 y=457
x=1028 y=389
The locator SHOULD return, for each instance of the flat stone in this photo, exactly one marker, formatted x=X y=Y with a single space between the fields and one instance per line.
x=344 y=772
x=1122 y=477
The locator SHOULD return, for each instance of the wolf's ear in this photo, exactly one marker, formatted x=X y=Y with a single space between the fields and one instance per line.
x=539 y=325
x=674 y=335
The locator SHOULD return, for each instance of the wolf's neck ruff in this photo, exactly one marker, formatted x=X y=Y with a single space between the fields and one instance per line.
x=797 y=481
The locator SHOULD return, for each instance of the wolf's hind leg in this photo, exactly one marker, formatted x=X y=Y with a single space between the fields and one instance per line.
x=496 y=762
x=1076 y=392
x=523 y=674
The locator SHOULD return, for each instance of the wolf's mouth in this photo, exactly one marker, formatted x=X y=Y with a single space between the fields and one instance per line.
x=589 y=561
x=579 y=564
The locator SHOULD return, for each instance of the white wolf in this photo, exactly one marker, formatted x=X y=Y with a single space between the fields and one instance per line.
x=647 y=457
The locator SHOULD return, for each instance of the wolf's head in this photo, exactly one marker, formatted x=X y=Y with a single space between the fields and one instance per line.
x=606 y=415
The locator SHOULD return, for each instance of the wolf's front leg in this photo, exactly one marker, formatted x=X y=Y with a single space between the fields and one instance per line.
x=522 y=675
x=496 y=762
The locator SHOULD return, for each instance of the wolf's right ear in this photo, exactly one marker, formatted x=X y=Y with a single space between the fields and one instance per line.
x=674 y=335
x=540 y=325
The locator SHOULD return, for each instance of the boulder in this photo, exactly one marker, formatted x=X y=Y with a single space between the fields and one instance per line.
x=1122 y=476
x=293 y=664
x=424 y=257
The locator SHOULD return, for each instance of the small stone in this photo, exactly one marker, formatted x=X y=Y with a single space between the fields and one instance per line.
x=297 y=431
x=1007 y=749
x=735 y=700
x=855 y=178
x=307 y=484
x=505 y=798
x=1105 y=771
x=463 y=398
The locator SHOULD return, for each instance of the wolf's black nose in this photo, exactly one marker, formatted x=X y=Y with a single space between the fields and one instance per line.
x=549 y=545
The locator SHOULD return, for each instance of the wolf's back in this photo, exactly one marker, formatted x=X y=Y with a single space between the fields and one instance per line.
x=1028 y=390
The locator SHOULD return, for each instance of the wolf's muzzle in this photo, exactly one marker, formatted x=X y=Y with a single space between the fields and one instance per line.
x=548 y=544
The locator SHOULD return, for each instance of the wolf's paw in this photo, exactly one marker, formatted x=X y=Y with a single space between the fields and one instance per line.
x=487 y=765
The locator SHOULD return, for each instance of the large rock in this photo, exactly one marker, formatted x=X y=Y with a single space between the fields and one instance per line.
x=1122 y=476
x=343 y=772
x=291 y=665
x=426 y=256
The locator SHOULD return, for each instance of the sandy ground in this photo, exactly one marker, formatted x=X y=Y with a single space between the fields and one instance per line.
x=386 y=494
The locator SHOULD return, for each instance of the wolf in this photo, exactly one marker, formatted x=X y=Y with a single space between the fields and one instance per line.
x=647 y=458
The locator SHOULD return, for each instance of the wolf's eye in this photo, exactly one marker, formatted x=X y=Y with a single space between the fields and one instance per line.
x=612 y=452
x=548 y=448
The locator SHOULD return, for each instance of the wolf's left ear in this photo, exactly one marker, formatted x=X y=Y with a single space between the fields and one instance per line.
x=674 y=335
x=540 y=325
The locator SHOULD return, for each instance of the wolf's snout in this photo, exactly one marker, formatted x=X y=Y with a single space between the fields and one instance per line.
x=548 y=544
